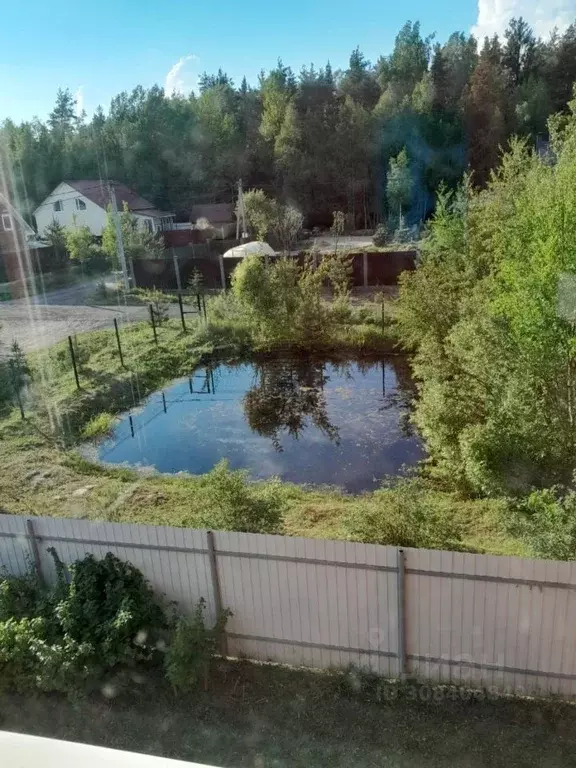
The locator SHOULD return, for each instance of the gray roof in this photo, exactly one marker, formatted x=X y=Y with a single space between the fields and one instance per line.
x=97 y=191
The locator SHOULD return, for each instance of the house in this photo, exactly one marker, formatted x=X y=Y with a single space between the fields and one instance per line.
x=85 y=202
x=218 y=219
x=19 y=249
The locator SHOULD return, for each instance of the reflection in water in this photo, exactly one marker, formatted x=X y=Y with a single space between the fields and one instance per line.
x=306 y=421
x=287 y=393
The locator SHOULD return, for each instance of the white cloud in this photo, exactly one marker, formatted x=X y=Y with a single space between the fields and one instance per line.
x=175 y=82
x=79 y=96
x=542 y=15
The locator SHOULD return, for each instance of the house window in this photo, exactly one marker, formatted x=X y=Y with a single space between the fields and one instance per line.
x=58 y=205
x=7 y=222
x=80 y=204
x=148 y=225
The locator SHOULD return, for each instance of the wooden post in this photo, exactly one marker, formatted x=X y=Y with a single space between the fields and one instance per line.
x=164 y=401
x=131 y=421
x=402 y=655
x=34 y=549
x=73 y=356
x=118 y=343
x=222 y=271
x=152 y=320
x=204 y=306
x=365 y=269
x=216 y=587
x=181 y=312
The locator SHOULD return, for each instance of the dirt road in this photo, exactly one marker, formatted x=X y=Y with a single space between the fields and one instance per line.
x=35 y=326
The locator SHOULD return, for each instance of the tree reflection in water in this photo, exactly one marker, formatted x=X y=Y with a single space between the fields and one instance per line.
x=285 y=395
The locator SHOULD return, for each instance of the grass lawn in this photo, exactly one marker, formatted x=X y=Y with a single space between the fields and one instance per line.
x=263 y=715
x=40 y=473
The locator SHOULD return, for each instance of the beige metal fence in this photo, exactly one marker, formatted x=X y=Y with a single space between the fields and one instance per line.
x=497 y=622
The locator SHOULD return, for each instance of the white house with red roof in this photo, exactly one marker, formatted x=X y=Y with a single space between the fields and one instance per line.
x=85 y=203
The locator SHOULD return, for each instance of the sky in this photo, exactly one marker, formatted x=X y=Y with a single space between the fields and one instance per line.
x=99 y=49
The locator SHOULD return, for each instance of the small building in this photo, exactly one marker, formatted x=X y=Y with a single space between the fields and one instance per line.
x=85 y=203
x=19 y=250
x=217 y=219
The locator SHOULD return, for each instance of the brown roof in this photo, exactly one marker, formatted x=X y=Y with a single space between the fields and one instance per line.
x=216 y=213
x=97 y=192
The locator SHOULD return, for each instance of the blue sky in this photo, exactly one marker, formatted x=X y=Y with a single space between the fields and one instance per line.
x=98 y=49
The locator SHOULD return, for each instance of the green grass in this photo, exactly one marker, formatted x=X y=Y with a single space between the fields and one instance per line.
x=40 y=471
x=265 y=715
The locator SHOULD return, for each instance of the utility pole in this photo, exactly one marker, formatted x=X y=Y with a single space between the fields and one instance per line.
x=119 y=241
x=240 y=214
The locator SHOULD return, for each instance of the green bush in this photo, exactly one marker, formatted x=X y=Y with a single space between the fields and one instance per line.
x=380 y=236
x=98 y=425
x=101 y=615
x=405 y=515
x=546 y=520
x=187 y=660
x=234 y=503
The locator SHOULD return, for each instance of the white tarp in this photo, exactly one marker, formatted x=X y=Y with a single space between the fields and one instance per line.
x=249 y=249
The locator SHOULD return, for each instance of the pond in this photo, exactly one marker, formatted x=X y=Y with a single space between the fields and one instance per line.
x=306 y=421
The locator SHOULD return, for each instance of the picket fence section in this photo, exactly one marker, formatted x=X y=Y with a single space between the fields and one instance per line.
x=502 y=623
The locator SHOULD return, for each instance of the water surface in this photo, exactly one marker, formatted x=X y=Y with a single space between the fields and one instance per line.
x=303 y=420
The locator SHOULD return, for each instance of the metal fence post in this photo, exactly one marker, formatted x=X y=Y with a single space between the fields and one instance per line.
x=73 y=356
x=35 y=550
x=153 y=321
x=216 y=587
x=402 y=655
x=119 y=344
x=181 y=312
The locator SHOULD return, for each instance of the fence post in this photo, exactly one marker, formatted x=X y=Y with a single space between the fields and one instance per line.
x=34 y=549
x=204 y=306
x=402 y=656
x=152 y=320
x=216 y=587
x=222 y=272
x=73 y=356
x=118 y=342
x=198 y=304
x=181 y=312
x=365 y=269
x=164 y=401
x=176 y=270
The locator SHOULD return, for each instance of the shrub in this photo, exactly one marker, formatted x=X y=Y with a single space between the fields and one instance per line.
x=192 y=645
x=405 y=515
x=380 y=237
x=546 y=520
x=19 y=596
x=110 y=605
x=99 y=614
x=236 y=504
x=160 y=302
x=99 y=425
